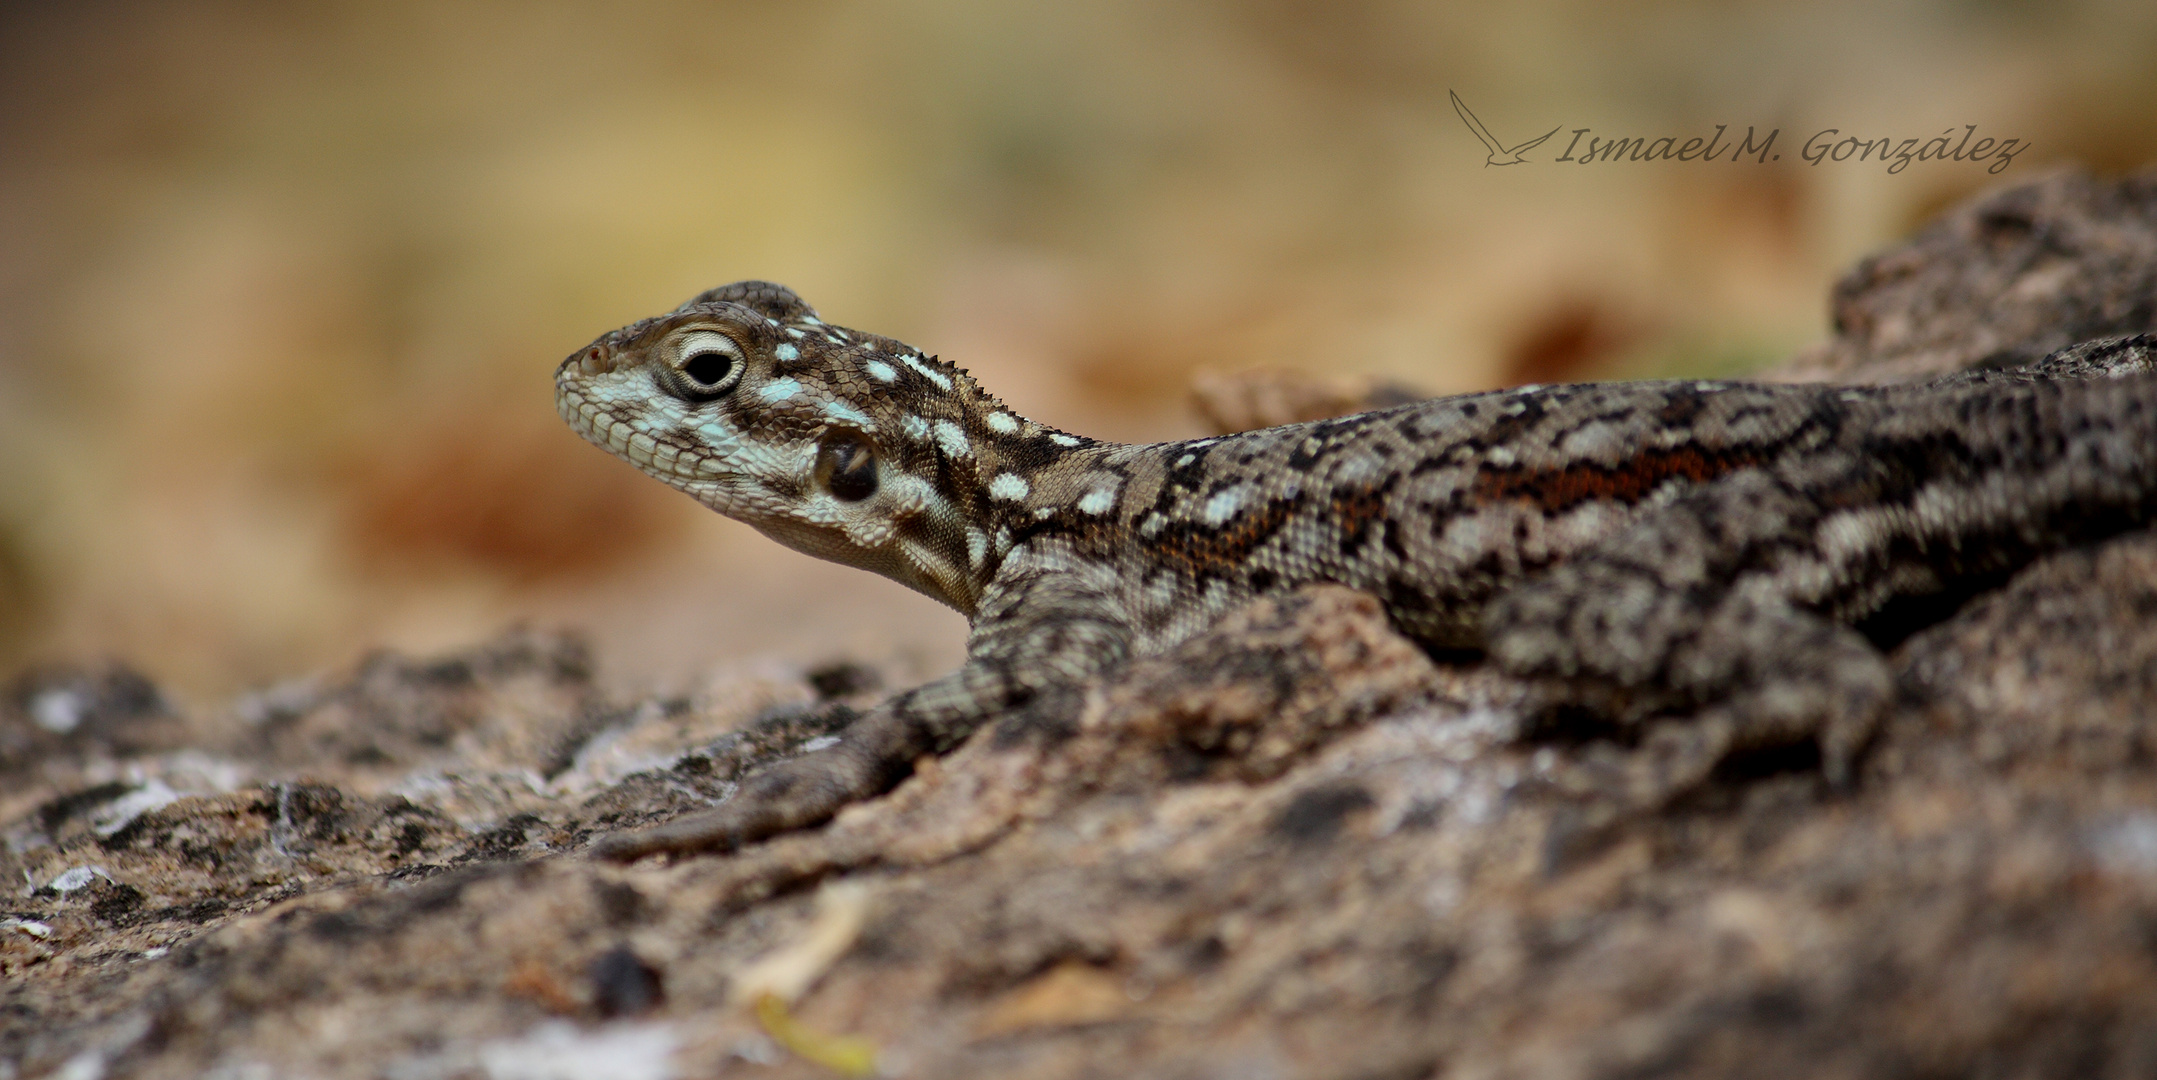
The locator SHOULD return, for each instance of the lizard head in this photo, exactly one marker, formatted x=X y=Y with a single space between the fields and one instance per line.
x=844 y=445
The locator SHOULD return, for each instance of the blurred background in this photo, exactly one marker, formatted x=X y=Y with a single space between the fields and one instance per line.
x=282 y=286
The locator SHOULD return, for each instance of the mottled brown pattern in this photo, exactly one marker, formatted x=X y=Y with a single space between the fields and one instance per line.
x=1356 y=510
x=1206 y=553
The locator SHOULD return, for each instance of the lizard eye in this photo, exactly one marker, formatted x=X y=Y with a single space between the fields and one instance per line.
x=846 y=466
x=711 y=364
x=708 y=368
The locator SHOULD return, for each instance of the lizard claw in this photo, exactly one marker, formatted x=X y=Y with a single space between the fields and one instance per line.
x=711 y=830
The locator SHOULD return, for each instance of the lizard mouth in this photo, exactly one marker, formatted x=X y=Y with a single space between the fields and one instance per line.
x=588 y=419
x=601 y=427
x=682 y=464
x=582 y=398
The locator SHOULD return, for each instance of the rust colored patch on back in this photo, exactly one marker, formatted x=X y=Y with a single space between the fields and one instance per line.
x=1198 y=552
x=1557 y=490
x=1356 y=509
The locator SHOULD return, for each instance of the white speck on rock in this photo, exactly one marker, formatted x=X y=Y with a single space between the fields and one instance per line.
x=88 y=1065
x=116 y=814
x=31 y=927
x=2128 y=846
x=76 y=877
x=59 y=711
x=558 y=1050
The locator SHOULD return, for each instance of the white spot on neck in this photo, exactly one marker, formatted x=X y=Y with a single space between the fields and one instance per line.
x=787 y=353
x=942 y=381
x=839 y=410
x=1009 y=486
x=1003 y=423
x=1097 y=502
x=1061 y=439
x=953 y=439
x=914 y=426
x=778 y=390
x=881 y=371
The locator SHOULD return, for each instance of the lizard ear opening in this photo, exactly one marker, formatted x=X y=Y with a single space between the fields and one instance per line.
x=846 y=466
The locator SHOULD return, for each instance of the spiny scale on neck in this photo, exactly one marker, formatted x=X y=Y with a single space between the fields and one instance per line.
x=843 y=444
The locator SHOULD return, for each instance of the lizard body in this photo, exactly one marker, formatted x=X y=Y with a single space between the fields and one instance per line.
x=1642 y=549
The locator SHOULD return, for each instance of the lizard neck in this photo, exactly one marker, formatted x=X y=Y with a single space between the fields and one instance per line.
x=988 y=476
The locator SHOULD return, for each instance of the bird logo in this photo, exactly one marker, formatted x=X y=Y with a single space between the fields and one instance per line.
x=1499 y=155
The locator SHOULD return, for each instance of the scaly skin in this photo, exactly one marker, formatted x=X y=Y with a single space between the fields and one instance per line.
x=1683 y=557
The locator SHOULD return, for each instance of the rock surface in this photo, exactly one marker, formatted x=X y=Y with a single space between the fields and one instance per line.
x=1999 y=281
x=1296 y=847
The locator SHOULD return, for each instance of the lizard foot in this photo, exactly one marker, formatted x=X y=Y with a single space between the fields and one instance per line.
x=873 y=755
x=1668 y=628
x=1837 y=707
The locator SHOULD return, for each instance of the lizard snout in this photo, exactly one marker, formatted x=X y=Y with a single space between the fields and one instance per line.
x=593 y=359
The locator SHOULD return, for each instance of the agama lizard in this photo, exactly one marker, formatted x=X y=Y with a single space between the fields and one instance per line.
x=1687 y=560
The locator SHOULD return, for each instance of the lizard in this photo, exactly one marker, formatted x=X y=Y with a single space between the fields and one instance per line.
x=1690 y=562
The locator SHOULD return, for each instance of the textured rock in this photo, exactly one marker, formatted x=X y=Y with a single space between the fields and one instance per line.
x=2001 y=280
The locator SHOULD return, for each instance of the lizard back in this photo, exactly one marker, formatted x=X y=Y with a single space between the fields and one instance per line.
x=1640 y=549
